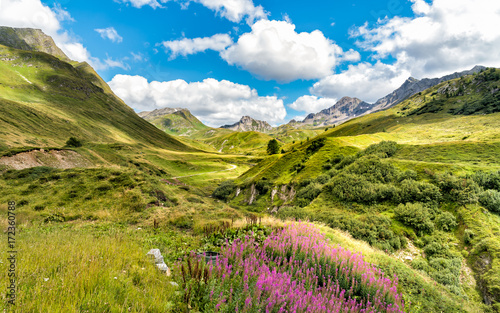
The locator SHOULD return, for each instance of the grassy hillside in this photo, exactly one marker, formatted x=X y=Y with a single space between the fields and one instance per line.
x=424 y=209
x=181 y=123
x=44 y=101
x=427 y=198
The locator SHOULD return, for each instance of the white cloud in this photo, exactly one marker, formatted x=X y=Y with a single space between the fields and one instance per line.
x=33 y=14
x=109 y=33
x=274 y=51
x=214 y=102
x=140 y=3
x=312 y=104
x=365 y=81
x=235 y=10
x=443 y=37
x=187 y=46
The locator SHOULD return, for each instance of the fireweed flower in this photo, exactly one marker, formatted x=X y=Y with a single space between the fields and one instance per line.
x=294 y=270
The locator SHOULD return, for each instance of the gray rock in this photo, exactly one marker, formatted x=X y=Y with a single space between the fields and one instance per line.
x=247 y=123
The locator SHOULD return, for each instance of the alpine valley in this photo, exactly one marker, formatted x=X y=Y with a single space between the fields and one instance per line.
x=391 y=206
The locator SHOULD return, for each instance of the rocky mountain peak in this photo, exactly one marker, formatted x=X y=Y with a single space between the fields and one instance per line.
x=246 y=123
x=30 y=39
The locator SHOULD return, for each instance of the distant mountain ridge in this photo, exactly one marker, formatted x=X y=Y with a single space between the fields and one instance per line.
x=348 y=108
x=30 y=39
x=246 y=123
x=343 y=110
x=413 y=86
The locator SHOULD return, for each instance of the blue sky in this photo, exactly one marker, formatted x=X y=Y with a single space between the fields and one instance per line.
x=272 y=60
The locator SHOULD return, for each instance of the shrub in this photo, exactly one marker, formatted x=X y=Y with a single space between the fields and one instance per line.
x=415 y=215
x=458 y=189
x=315 y=145
x=468 y=236
x=309 y=193
x=407 y=175
x=262 y=186
x=322 y=179
x=373 y=169
x=356 y=188
x=487 y=180
x=73 y=142
x=413 y=191
x=346 y=161
x=490 y=199
x=385 y=148
x=435 y=249
x=446 y=221
x=224 y=190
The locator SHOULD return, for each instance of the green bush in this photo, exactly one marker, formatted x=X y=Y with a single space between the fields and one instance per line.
x=407 y=175
x=73 y=142
x=315 y=145
x=356 y=188
x=487 y=180
x=490 y=199
x=414 y=191
x=308 y=193
x=322 y=179
x=262 y=186
x=345 y=162
x=384 y=148
x=224 y=190
x=461 y=190
x=446 y=221
x=415 y=215
x=373 y=169
x=468 y=236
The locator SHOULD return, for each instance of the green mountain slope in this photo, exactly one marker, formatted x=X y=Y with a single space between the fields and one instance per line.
x=424 y=189
x=174 y=121
x=45 y=101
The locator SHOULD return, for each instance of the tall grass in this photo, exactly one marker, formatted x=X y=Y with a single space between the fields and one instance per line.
x=69 y=270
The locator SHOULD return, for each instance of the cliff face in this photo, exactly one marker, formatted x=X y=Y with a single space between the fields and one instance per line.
x=249 y=124
x=346 y=108
x=30 y=39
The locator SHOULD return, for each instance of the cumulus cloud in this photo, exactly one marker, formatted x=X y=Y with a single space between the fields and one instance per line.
x=312 y=104
x=34 y=14
x=109 y=33
x=235 y=10
x=140 y=3
x=214 y=102
x=366 y=81
x=273 y=50
x=187 y=46
x=443 y=37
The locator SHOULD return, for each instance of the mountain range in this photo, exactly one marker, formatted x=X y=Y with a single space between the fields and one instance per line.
x=344 y=109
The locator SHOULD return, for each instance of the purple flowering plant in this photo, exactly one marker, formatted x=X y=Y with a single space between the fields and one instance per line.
x=294 y=270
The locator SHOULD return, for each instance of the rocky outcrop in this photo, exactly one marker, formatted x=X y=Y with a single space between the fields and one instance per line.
x=30 y=39
x=157 y=258
x=249 y=124
x=346 y=108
